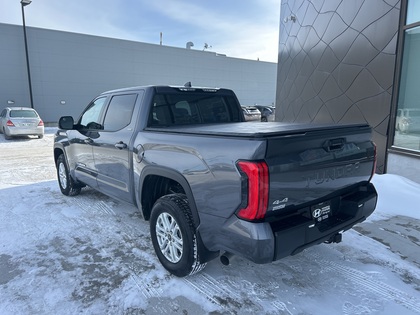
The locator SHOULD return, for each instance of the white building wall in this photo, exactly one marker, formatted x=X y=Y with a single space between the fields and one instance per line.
x=404 y=165
x=75 y=68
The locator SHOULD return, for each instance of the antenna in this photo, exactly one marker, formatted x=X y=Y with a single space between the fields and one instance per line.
x=188 y=84
x=206 y=46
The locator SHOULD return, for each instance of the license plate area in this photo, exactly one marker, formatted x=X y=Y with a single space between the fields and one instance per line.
x=321 y=211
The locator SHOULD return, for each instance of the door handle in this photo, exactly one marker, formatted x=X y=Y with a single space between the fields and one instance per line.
x=334 y=145
x=120 y=145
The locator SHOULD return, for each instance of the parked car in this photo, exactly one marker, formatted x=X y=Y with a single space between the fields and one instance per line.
x=213 y=185
x=21 y=121
x=251 y=113
x=408 y=120
x=267 y=112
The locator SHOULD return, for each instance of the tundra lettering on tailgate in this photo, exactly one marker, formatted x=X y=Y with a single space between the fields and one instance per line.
x=331 y=174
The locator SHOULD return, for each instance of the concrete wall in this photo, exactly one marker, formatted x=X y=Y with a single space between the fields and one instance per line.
x=75 y=68
x=404 y=165
x=336 y=63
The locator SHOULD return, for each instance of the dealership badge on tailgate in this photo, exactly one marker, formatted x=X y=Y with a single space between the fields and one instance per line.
x=321 y=211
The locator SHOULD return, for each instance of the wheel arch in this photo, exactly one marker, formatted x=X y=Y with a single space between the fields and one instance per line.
x=57 y=152
x=157 y=181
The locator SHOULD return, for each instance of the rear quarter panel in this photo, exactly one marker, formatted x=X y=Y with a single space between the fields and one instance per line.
x=207 y=163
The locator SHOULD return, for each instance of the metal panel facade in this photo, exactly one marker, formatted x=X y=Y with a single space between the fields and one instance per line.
x=336 y=63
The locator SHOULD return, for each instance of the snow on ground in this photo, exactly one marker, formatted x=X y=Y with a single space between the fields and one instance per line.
x=93 y=255
x=398 y=196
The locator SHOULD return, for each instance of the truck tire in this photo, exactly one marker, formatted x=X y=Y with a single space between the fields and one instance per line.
x=67 y=186
x=173 y=235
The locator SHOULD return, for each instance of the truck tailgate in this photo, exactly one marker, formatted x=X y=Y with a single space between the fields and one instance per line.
x=314 y=166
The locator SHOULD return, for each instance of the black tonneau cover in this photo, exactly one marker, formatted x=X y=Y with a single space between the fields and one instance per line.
x=253 y=130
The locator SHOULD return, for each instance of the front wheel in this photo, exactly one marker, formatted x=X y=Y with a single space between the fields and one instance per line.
x=67 y=185
x=173 y=235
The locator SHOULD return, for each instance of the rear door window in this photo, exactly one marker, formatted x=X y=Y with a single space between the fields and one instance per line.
x=119 y=112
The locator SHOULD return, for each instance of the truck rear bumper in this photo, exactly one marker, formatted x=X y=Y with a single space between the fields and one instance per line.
x=353 y=208
x=268 y=241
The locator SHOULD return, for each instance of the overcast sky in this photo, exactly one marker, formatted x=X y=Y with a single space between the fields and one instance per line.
x=242 y=29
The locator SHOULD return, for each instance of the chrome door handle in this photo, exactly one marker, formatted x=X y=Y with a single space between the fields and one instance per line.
x=120 y=145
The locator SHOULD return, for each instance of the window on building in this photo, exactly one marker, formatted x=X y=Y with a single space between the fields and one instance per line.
x=413 y=12
x=407 y=135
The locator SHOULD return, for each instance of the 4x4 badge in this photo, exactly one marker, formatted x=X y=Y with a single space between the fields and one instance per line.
x=280 y=204
x=277 y=202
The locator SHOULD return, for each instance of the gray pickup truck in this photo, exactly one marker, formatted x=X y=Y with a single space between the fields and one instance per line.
x=212 y=184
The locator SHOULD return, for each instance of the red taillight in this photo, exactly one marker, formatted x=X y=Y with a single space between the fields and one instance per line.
x=9 y=123
x=41 y=123
x=257 y=190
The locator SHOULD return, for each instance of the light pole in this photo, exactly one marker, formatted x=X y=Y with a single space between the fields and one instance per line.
x=24 y=3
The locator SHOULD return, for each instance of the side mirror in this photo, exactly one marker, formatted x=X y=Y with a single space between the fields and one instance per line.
x=66 y=123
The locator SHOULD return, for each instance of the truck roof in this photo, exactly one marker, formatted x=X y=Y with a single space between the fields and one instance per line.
x=163 y=88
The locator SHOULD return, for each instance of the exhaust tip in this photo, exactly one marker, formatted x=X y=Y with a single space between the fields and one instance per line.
x=225 y=258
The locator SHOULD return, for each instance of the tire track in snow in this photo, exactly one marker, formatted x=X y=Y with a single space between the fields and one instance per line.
x=87 y=204
x=213 y=290
x=148 y=286
x=281 y=306
x=380 y=288
x=225 y=295
x=147 y=289
x=104 y=209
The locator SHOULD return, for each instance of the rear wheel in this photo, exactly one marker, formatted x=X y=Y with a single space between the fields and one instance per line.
x=67 y=185
x=173 y=235
x=6 y=136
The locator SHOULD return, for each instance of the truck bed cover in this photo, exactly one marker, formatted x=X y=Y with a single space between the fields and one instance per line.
x=253 y=130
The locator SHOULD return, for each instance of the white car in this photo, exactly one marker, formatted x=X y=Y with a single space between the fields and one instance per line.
x=268 y=113
x=408 y=120
x=251 y=113
x=21 y=121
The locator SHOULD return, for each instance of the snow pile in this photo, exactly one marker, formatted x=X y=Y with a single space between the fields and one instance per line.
x=397 y=196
